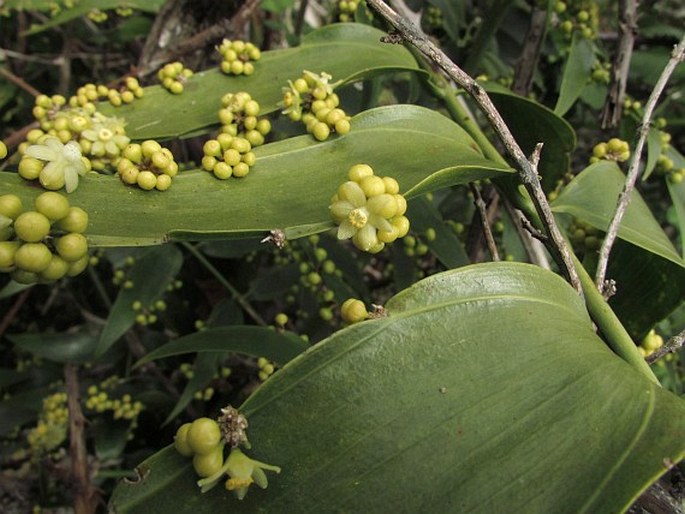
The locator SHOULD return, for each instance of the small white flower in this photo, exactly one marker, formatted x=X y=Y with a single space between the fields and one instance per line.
x=63 y=163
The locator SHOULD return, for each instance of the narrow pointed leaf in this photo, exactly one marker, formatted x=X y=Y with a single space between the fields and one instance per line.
x=289 y=188
x=592 y=196
x=576 y=74
x=250 y=340
x=150 y=275
x=486 y=374
x=346 y=51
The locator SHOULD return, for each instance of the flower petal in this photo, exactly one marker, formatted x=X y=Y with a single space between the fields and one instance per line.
x=340 y=210
x=70 y=179
x=351 y=192
x=41 y=152
x=346 y=230
x=380 y=222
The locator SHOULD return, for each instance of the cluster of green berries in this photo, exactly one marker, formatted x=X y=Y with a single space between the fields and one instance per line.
x=347 y=9
x=651 y=343
x=173 y=77
x=369 y=209
x=99 y=401
x=353 y=310
x=90 y=94
x=433 y=17
x=311 y=100
x=42 y=245
x=414 y=247
x=147 y=165
x=664 y=163
x=204 y=440
x=601 y=72
x=613 y=150
x=147 y=315
x=239 y=117
x=56 y=7
x=97 y=16
x=580 y=16
x=266 y=368
x=101 y=138
x=51 y=429
x=584 y=237
x=228 y=156
x=238 y=57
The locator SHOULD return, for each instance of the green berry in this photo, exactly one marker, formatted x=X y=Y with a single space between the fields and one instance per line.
x=32 y=226
x=78 y=266
x=34 y=257
x=7 y=251
x=204 y=435
x=57 y=268
x=353 y=311
x=10 y=206
x=181 y=441
x=3 y=150
x=321 y=131
x=146 y=180
x=72 y=247
x=76 y=220
x=281 y=319
x=207 y=464
x=53 y=205
x=30 y=168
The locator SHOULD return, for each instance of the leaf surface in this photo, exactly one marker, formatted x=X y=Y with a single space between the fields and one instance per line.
x=489 y=374
x=289 y=188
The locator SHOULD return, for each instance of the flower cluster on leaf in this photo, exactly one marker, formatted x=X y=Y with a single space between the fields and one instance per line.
x=369 y=210
x=54 y=164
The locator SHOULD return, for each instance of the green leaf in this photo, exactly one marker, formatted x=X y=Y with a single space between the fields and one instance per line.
x=289 y=188
x=648 y=288
x=486 y=374
x=677 y=193
x=250 y=340
x=446 y=245
x=12 y=288
x=75 y=347
x=577 y=72
x=150 y=275
x=653 y=151
x=533 y=123
x=9 y=377
x=347 y=51
x=591 y=196
x=82 y=7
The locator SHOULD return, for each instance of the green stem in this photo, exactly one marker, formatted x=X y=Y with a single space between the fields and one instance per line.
x=616 y=336
x=613 y=330
x=235 y=294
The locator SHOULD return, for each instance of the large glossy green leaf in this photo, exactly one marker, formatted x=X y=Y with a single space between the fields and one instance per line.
x=489 y=374
x=576 y=74
x=533 y=123
x=289 y=188
x=347 y=51
x=591 y=197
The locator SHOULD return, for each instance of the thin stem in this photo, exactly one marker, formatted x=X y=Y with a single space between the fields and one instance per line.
x=527 y=169
x=674 y=344
x=11 y=314
x=530 y=54
x=235 y=294
x=624 y=198
x=85 y=495
x=19 y=82
x=627 y=23
x=485 y=221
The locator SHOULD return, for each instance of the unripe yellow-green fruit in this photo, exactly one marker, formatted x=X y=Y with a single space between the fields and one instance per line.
x=3 y=150
x=206 y=465
x=149 y=148
x=78 y=266
x=57 y=268
x=30 y=168
x=31 y=226
x=76 y=220
x=181 y=441
x=34 y=257
x=204 y=435
x=7 y=251
x=353 y=310
x=72 y=247
x=372 y=186
x=53 y=206
x=146 y=180
x=10 y=206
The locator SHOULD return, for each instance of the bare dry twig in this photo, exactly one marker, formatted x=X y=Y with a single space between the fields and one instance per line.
x=627 y=23
x=85 y=495
x=527 y=171
x=485 y=222
x=677 y=56
x=674 y=344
